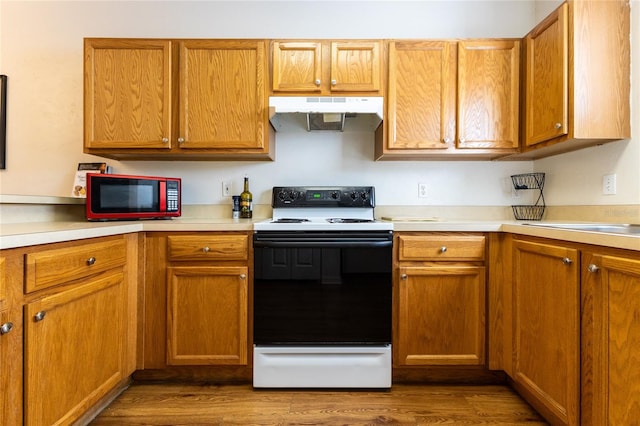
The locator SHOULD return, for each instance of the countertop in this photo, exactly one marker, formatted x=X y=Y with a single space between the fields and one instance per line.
x=28 y=234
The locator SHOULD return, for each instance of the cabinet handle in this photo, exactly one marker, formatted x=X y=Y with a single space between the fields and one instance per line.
x=446 y=140
x=404 y=276
x=39 y=316
x=165 y=140
x=91 y=261
x=443 y=249
x=592 y=268
x=180 y=140
x=243 y=276
x=567 y=261
x=206 y=249
x=334 y=82
x=317 y=82
x=461 y=140
x=558 y=126
x=6 y=327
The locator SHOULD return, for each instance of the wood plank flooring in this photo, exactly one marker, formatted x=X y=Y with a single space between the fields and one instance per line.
x=206 y=404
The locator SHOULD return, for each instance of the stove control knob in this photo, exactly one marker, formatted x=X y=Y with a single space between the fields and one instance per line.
x=282 y=195
x=364 y=195
x=293 y=195
x=354 y=195
x=335 y=195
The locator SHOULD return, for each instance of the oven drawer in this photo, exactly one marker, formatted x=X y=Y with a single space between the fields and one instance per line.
x=441 y=247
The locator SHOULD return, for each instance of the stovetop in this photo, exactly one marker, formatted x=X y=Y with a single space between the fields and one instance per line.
x=315 y=208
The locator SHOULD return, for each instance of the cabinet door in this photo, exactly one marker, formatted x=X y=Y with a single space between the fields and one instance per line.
x=421 y=100
x=222 y=95
x=297 y=66
x=546 y=79
x=11 y=283
x=127 y=93
x=488 y=93
x=207 y=315
x=546 y=329
x=10 y=368
x=611 y=340
x=355 y=66
x=74 y=342
x=441 y=316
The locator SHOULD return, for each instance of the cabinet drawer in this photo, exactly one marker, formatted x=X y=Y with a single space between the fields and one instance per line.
x=208 y=247
x=52 y=267
x=441 y=247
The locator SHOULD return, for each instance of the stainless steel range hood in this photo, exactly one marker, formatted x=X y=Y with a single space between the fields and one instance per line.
x=326 y=113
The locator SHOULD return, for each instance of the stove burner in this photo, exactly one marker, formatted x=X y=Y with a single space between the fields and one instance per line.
x=348 y=220
x=289 y=220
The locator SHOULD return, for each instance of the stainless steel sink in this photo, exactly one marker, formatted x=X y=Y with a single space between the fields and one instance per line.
x=608 y=228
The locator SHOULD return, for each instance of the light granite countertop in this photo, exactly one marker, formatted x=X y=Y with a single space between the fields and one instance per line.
x=27 y=234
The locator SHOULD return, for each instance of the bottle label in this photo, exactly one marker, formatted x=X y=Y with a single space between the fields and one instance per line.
x=245 y=209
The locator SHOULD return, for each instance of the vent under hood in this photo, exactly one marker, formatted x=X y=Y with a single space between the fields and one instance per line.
x=325 y=113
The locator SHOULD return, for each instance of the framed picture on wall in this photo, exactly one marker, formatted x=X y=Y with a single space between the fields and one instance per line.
x=3 y=121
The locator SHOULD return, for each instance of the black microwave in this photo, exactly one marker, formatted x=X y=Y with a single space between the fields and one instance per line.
x=128 y=197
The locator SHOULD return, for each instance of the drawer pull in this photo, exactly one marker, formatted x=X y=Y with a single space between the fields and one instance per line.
x=592 y=268
x=206 y=249
x=404 y=276
x=243 y=276
x=567 y=261
x=39 y=316
x=443 y=249
x=6 y=327
x=91 y=261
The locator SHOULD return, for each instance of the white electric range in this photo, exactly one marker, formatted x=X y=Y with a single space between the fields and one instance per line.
x=322 y=291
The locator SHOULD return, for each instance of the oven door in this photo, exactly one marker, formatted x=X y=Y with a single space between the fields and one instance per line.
x=322 y=288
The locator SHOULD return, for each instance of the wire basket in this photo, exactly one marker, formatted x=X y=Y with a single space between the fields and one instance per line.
x=528 y=212
x=528 y=181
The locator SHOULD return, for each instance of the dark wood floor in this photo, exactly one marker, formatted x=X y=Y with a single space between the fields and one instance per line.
x=188 y=404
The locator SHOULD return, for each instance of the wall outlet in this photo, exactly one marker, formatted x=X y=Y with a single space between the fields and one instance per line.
x=609 y=184
x=226 y=188
x=422 y=190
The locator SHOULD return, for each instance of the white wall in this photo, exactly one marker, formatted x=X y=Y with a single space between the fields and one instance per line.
x=41 y=52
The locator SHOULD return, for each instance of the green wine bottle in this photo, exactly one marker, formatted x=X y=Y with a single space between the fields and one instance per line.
x=246 y=198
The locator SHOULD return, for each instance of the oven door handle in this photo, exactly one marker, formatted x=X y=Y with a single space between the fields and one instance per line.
x=322 y=243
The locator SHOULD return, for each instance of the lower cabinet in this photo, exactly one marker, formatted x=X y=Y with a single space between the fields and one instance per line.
x=207 y=315
x=73 y=349
x=441 y=311
x=440 y=299
x=546 y=358
x=575 y=329
x=196 y=301
x=610 y=338
x=68 y=328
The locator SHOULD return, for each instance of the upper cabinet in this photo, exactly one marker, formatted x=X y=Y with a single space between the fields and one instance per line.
x=421 y=97
x=577 y=78
x=324 y=67
x=449 y=99
x=160 y=99
x=488 y=94
x=127 y=90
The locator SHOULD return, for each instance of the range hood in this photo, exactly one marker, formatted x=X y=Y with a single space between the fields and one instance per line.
x=325 y=113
